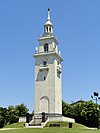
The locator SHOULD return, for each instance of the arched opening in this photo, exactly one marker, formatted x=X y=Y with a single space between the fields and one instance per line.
x=49 y=29
x=44 y=104
x=46 y=48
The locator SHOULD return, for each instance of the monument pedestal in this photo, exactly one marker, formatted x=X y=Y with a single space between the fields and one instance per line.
x=42 y=119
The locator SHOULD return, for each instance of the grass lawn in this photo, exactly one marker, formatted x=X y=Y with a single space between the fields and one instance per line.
x=77 y=128
x=16 y=125
x=51 y=130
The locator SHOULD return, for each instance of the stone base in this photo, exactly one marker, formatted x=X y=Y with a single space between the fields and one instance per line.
x=37 y=119
x=61 y=118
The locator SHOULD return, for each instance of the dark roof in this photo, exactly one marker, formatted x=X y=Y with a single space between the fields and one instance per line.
x=79 y=101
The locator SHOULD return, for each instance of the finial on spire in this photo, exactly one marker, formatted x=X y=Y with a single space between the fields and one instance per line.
x=48 y=9
x=48 y=14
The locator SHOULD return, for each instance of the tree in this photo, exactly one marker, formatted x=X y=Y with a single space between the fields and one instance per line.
x=5 y=115
x=4 y=118
x=16 y=112
x=89 y=114
x=67 y=109
x=1 y=118
x=13 y=118
x=85 y=113
x=77 y=109
x=11 y=114
x=1 y=121
x=21 y=110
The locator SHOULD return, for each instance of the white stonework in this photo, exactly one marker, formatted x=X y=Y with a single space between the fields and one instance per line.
x=48 y=77
x=61 y=118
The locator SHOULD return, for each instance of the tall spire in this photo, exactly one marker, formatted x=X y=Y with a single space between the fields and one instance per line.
x=48 y=27
x=48 y=15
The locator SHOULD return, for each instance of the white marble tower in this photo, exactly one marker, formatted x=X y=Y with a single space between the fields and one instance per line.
x=48 y=74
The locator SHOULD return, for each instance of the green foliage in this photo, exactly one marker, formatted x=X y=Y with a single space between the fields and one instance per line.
x=21 y=110
x=3 y=116
x=1 y=121
x=11 y=114
x=66 y=109
x=89 y=114
x=85 y=113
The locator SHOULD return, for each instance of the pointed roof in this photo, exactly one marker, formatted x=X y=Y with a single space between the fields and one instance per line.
x=48 y=22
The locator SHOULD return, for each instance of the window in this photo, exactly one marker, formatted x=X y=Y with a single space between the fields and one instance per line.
x=44 y=63
x=45 y=47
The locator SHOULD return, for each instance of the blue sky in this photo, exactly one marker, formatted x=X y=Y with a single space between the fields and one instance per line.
x=77 y=28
